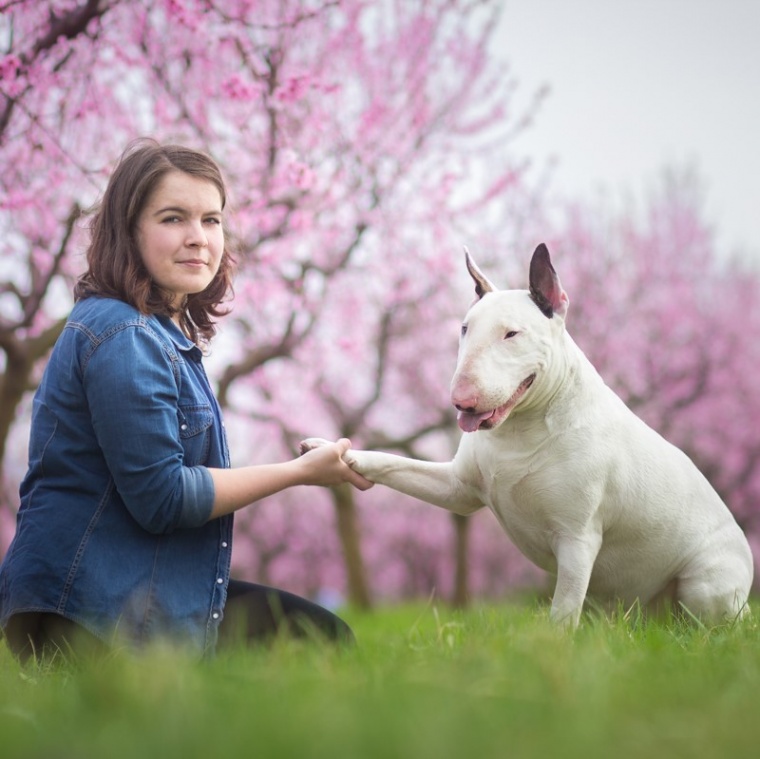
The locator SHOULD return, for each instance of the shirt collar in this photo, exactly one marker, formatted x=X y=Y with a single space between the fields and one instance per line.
x=175 y=334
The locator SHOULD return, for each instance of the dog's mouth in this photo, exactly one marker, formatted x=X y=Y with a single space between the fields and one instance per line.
x=487 y=420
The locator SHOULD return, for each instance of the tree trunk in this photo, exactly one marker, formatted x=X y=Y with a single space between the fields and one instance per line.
x=17 y=380
x=14 y=382
x=461 y=596
x=348 y=532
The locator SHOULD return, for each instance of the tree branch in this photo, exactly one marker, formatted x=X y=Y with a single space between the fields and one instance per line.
x=70 y=25
x=256 y=357
x=41 y=283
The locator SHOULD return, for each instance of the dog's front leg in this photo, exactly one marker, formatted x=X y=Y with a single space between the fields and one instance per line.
x=429 y=481
x=432 y=482
x=575 y=561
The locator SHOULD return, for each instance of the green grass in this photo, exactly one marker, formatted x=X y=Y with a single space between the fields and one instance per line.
x=423 y=681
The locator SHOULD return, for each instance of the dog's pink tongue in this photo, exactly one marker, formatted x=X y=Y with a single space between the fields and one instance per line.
x=470 y=422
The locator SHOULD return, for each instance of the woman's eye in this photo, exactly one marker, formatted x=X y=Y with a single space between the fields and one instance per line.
x=213 y=220
x=510 y=334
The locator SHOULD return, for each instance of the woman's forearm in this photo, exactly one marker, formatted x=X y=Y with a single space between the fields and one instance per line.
x=236 y=488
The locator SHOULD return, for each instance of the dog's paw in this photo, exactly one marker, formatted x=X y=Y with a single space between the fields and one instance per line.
x=311 y=443
x=350 y=459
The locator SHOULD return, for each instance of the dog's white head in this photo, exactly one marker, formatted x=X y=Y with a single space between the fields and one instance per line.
x=508 y=341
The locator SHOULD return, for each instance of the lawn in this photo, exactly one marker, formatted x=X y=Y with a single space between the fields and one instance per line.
x=423 y=681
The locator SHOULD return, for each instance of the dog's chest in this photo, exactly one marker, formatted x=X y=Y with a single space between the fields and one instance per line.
x=514 y=486
x=528 y=523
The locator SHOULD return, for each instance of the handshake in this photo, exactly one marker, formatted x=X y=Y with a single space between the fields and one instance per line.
x=331 y=464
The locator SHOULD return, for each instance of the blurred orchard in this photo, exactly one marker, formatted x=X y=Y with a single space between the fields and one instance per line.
x=364 y=143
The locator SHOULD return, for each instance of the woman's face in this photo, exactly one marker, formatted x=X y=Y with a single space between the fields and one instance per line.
x=180 y=235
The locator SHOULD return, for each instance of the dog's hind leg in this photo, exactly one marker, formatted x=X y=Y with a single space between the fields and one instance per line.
x=716 y=592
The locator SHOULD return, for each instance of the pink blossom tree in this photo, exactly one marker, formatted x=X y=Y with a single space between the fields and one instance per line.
x=364 y=144
x=361 y=141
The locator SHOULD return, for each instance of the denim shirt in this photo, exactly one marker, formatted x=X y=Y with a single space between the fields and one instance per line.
x=113 y=530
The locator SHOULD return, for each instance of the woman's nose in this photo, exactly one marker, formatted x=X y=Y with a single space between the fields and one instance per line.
x=197 y=236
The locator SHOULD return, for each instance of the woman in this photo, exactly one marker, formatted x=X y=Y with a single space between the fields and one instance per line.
x=125 y=526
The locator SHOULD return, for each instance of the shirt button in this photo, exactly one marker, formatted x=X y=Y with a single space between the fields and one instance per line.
x=220 y=580
x=183 y=426
x=215 y=615
x=224 y=544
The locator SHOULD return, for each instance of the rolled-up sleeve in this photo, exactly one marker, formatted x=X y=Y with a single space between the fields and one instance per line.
x=197 y=496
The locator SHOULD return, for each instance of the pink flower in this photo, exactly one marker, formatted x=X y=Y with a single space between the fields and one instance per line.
x=294 y=88
x=9 y=66
x=301 y=175
x=237 y=89
x=297 y=172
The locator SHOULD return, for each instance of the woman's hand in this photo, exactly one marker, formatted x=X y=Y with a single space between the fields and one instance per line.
x=324 y=465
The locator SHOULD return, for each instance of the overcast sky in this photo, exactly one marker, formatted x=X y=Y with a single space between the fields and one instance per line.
x=640 y=84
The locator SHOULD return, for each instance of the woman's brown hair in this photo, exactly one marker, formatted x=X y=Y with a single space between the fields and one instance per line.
x=114 y=263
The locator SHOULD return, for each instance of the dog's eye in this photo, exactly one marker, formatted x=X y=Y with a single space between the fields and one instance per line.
x=510 y=334
x=464 y=330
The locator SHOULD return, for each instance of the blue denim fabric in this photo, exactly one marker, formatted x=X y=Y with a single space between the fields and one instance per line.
x=113 y=528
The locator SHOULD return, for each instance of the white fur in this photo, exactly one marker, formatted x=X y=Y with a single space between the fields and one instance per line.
x=582 y=486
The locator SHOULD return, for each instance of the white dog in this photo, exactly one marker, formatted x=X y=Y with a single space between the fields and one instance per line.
x=584 y=488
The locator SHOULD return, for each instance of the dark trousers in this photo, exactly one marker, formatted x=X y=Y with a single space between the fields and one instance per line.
x=257 y=612
x=253 y=614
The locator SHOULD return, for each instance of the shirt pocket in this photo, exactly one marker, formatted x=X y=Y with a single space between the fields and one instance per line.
x=195 y=429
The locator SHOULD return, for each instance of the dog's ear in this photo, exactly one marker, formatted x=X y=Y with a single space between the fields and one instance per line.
x=545 y=287
x=482 y=284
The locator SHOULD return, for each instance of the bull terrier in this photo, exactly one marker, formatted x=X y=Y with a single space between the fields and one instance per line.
x=581 y=485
